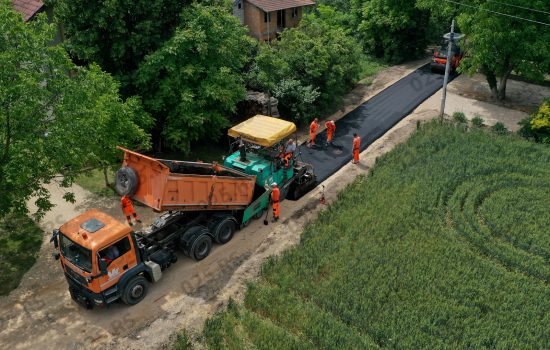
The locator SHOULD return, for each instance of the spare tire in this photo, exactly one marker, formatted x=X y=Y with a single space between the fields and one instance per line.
x=126 y=182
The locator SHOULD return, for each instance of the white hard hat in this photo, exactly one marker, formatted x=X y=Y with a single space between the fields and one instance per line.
x=274 y=184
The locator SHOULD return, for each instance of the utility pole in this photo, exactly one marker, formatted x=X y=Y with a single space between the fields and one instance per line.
x=447 y=70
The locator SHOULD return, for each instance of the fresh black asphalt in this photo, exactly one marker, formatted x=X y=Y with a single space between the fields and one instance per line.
x=370 y=121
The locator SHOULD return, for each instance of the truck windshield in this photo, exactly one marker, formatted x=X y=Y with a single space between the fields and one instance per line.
x=75 y=253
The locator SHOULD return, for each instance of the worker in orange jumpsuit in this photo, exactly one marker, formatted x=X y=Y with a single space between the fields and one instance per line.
x=275 y=197
x=356 y=148
x=128 y=210
x=331 y=128
x=286 y=157
x=313 y=127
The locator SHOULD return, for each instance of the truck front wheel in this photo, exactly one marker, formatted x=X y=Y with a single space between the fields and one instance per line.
x=134 y=291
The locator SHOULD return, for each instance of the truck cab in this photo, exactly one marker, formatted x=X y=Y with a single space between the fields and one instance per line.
x=99 y=256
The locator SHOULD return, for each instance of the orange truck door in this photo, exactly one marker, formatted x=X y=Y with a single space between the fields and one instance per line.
x=120 y=259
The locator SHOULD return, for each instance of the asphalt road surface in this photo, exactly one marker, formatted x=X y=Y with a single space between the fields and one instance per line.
x=371 y=120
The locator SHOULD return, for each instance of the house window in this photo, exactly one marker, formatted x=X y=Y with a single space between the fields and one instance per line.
x=281 y=19
x=239 y=5
x=267 y=17
x=294 y=12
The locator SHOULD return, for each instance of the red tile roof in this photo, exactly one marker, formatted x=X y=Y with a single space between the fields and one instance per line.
x=274 y=5
x=28 y=8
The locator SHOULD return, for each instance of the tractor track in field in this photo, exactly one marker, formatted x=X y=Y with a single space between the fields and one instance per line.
x=41 y=314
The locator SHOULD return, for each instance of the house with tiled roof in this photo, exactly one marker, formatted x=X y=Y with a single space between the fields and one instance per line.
x=28 y=8
x=265 y=19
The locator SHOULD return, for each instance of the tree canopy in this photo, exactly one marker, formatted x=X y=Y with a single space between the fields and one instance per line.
x=193 y=82
x=55 y=118
x=499 y=45
x=117 y=35
x=395 y=30
x=315 y=62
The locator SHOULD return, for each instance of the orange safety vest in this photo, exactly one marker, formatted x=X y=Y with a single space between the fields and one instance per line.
x=331 y=127
x=286 y=159
x=313 y=127
x=275 y=195
x=356 y=143
x=127 y=205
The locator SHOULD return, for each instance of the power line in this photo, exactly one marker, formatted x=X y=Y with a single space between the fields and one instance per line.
x=499 y=13
x=519 y=7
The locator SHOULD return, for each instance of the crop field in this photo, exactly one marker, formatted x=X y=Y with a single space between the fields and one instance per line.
x=445 y=245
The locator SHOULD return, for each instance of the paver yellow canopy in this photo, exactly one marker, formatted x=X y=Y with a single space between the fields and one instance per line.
x=263 y=130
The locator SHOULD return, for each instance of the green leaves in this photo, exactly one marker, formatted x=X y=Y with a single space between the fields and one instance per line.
x=55 y=118
x=117 y=34
x=445 y=247
x=193 y=82
x=498 y=45
x=309 y=67
x=537 y=126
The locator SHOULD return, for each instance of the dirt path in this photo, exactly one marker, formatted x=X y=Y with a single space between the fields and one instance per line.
x=40 y=313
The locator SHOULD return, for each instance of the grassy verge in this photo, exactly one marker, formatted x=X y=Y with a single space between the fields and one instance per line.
x=370 y=67
x=94 y=181
x=444 y=245
x=20 y=241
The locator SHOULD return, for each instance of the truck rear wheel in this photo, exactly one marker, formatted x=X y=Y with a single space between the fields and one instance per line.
x=201 y=247
x=135 y=290
x=223 y=229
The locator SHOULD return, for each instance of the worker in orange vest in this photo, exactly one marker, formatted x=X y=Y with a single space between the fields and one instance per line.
x=275 y=197
x=356 y=148
x=128 y=210
x=331 y=128
x=313 y=127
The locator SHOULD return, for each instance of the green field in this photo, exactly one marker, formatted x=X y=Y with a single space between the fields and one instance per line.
x=20 y=241
x=445 y=245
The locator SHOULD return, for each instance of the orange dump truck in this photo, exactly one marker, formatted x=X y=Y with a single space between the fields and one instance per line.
x=104 y=260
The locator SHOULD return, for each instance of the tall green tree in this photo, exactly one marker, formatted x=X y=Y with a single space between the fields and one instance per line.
x=498 y=45
x=56 y=119
x=117 y=35
x=193 y=82
x=316 y=62
x=395 y=30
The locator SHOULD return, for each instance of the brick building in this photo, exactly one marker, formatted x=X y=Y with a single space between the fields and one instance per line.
x=265 y=19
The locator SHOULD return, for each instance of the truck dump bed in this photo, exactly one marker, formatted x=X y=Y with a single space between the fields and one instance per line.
x=177 y=185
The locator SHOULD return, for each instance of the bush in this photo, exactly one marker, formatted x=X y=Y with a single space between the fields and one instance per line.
x=477 y=121
x=537 y=126
x=499 y=129
x=459 y=117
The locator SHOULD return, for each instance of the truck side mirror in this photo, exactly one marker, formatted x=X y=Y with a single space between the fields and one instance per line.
x=55 y=234
x=102 y=266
